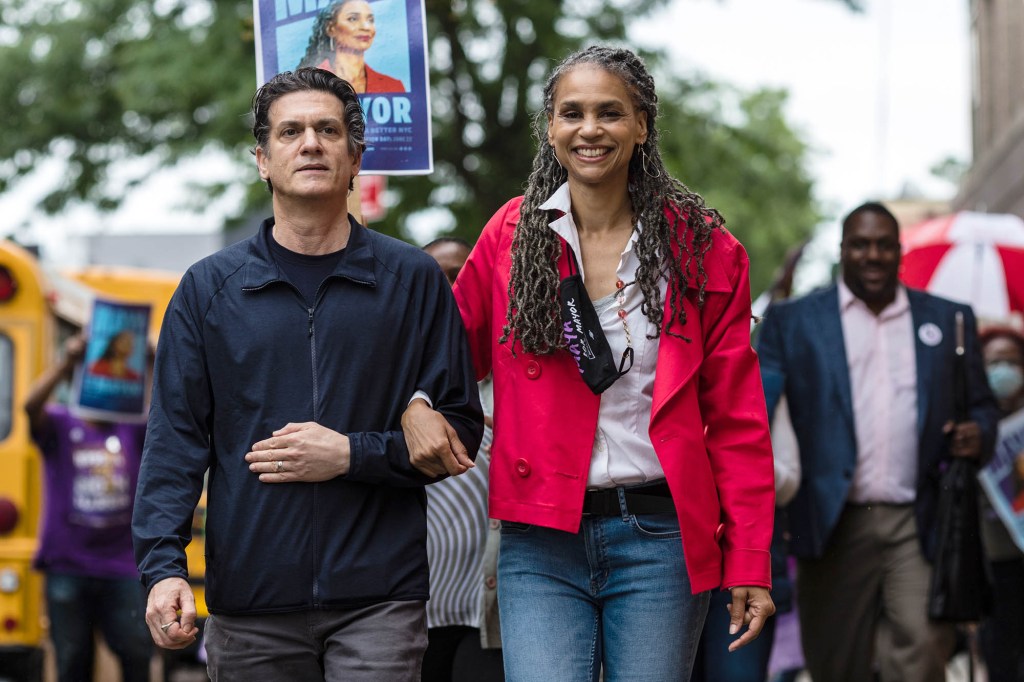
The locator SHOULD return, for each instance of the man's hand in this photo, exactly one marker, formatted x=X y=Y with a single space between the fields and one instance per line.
x=751 y=606
x=434 y=446
x=306 y=452
x=964 y=438
x=171 y=614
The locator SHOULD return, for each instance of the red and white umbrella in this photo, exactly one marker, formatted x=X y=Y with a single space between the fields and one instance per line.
x=975 y=258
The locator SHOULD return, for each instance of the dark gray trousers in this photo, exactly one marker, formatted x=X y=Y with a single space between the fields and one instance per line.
x=380 y=642
x=865 y=602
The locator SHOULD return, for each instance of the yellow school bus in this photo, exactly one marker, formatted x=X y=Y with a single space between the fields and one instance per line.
x=27 y=342
x=38 y=310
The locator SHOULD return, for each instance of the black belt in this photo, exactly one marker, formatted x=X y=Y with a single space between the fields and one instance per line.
x=646 y=499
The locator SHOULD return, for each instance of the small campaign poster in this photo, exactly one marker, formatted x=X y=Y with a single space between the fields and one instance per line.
x=379 y=46
x=1003 y=477
x=110 y=384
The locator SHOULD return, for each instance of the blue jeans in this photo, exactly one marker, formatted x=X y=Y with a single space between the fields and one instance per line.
x=77 y=605
x=615 y=594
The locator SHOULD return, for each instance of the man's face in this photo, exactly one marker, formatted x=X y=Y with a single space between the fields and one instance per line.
x=307 y=152
x=451 y=256
x=870 y=256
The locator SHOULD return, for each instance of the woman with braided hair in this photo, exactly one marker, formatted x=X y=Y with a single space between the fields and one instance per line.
x=342 y=33
x=631 y=466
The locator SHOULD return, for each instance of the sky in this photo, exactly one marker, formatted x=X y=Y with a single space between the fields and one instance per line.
x=881 y=96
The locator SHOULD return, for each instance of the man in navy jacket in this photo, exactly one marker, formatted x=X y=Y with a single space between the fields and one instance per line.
x=284 y=365
x=866 y=366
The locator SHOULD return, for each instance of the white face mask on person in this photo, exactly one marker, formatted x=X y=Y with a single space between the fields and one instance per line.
x=1005 y=378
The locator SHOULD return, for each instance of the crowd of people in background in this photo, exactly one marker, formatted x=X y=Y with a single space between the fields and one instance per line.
x=604 y=503
x=1002 y=632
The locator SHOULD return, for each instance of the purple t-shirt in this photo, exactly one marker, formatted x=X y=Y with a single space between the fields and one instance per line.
x=90 y=474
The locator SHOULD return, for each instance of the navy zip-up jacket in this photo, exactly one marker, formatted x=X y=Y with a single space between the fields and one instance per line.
x=240 y=355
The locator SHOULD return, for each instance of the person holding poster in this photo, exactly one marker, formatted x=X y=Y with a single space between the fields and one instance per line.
x=284 y=365
x=1002 y=631
x=90 y=471
x=629 y=418
x=341 y=35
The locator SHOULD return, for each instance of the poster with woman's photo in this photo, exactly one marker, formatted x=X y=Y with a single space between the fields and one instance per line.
x=1003 y=477
x=110 y=384
x=379 y=46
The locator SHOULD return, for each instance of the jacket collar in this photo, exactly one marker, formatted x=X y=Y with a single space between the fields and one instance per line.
x=356 y=262
x=899 y=305
x=565 y=227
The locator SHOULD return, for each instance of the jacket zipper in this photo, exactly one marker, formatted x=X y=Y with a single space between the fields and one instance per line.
x=316 y=396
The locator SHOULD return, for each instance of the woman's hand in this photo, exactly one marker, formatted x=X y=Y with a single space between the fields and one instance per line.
x=751 y=606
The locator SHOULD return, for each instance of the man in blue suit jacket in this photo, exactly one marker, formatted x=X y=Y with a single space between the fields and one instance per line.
x=866 y=366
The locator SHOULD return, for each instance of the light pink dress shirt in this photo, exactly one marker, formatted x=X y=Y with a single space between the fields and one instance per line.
x=883 y=385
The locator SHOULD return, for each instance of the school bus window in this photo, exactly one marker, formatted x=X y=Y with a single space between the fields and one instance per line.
x=6 y=386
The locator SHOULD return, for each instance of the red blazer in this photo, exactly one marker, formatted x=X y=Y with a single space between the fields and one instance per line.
x=375 y=80
x=708 y=425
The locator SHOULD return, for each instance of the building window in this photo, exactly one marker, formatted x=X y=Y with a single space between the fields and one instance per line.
x=6 y=385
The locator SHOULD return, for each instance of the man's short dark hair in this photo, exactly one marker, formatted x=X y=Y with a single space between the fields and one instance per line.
x=459 y=241
x=304 y=80
x=870 y=207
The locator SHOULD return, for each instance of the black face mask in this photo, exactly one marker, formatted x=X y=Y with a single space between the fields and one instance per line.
x=582 y=331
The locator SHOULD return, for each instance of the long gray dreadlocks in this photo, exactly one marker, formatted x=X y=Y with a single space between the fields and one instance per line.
x=320 y=46
x=532 y=316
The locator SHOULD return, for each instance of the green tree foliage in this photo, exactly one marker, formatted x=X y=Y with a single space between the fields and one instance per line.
x=737 y=151
x=951 y=169
x=102 y=83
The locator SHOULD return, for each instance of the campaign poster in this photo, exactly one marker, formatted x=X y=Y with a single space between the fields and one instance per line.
x=377 y=45
x=110 y=384
x=1003 y=477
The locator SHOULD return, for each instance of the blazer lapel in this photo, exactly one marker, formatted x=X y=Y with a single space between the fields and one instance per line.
x=827 y=325
x=678 y=359
x=922 y=314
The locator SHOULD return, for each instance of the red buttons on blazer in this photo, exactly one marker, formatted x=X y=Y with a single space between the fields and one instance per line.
x=522 y=467
x=532 y=369
x=491 y=582
x=719 y=532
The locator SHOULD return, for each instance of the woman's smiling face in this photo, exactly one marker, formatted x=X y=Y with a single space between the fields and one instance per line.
x=593 y=126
